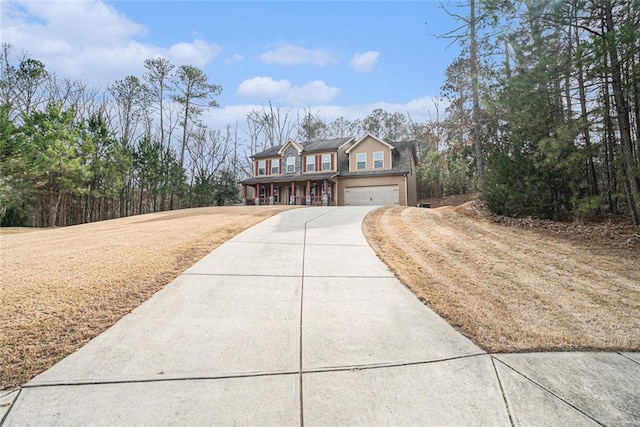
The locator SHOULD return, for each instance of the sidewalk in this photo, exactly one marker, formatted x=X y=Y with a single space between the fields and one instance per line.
x=296 y=321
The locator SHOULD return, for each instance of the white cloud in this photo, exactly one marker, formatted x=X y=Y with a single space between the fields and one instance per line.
x=312 y=92
x=364 y=62
x=197 y=53
x=236 y=57
x=78 y=21
x=267 y=88
x=90 y=40
x=264 y=87
x=286 y=54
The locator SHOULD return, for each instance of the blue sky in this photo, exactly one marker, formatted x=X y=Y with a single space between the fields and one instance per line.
x=336 y=58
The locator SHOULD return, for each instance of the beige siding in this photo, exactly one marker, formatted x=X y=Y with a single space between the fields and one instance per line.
x=373 y=181
x=369 y=146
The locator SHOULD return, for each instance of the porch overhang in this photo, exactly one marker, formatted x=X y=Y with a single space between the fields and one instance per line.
x=289 y=178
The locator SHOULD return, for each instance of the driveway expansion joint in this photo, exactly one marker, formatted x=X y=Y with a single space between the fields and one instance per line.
x=384 y=365
x=628 y=358
x=343 y=368
x=545 y=389
x=304 y=252
x=240 y=275
x=504 y=397
x=253 y=243
x=161 y=380
x=11 y=404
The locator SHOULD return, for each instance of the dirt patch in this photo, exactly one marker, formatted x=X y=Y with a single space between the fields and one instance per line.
x=61 y=287
x=453 y=200
x=509 y=288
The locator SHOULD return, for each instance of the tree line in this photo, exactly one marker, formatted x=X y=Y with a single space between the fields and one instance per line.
x=70 y=154
x=548 y=94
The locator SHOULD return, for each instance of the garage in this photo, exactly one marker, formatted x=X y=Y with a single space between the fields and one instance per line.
x=380 y=195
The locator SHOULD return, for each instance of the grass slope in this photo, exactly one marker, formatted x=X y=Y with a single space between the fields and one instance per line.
x=509 y=288
x=61 y=287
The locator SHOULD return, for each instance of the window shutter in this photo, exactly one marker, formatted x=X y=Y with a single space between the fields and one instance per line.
x=332 y=166
x=303 y=166
x=318 y=162
x=268 y=167
x=255 y=168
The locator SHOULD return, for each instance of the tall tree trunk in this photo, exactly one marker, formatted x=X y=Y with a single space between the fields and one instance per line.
x=622 y=111
x=475 y=112
x=584 y=116
x=610 y=147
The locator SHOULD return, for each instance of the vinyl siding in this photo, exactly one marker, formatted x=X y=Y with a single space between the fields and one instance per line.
x=369 y=146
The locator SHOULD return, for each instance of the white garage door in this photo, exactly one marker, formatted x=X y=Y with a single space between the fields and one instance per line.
x=372 y=196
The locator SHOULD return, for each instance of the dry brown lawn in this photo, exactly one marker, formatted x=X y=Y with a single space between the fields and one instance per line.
x=61 y=287
x=509 y=288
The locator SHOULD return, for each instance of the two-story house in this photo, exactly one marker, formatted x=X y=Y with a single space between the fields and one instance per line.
x=335 y=172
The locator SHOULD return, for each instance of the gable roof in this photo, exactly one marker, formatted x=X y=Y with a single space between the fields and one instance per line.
x=290 y=142
x=391 y=147
x=402 y=153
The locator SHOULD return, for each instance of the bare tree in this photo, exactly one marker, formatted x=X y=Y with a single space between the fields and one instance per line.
x=269 y=126
x=194 y=93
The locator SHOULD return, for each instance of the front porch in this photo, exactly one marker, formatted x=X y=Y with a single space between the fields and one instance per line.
x=316 y=191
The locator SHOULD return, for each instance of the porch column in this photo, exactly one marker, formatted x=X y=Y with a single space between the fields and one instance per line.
x=308 y=192
x=271 y=195
x=292 y=195
x=244 y=194
x=257 y=199
x=325 y=195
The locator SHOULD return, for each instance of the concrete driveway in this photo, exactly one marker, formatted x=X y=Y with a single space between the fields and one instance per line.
x=296 y=321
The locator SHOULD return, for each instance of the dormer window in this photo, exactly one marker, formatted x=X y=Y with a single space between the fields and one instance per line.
x=361 y=160
x=291 y=164
x=262 y=167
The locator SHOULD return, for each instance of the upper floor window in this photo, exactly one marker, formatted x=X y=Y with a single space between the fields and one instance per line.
x=291 y=164
x=326 y=162
x=378 y=159
x=262 y=167
x=311 y=164
x=361 y=160
x=275 y=167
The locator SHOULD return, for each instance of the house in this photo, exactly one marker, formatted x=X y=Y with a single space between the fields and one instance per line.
x=334 y=172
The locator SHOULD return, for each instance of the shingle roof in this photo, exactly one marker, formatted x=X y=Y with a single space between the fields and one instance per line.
x=324 y=145
x=269 y=152
x=308 y=147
